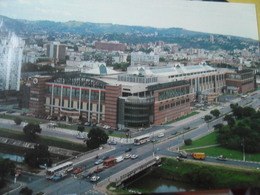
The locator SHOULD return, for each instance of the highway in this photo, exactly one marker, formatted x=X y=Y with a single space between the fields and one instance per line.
x=165 y=146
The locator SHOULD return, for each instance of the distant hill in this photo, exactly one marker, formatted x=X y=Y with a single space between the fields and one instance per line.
x=22 y=26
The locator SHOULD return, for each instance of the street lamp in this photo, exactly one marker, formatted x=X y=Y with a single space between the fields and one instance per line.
x=243 y=145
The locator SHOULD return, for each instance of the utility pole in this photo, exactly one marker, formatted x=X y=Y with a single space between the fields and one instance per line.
x=244 y=155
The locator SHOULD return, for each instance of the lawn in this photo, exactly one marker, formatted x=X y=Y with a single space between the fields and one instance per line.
x=209 y=139
x=217 y=150
x=24 y=120
x=45 y=140
x=181 y=118
x=232 y=154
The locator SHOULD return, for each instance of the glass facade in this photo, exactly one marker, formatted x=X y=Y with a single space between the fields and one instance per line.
x=171 y=93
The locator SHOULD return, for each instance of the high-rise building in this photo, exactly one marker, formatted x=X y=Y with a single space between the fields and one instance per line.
x=11 y=51
x=56 y=51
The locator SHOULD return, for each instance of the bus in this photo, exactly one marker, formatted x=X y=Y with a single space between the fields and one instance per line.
x=141 y=140
x=67 y=166
x=109 y=162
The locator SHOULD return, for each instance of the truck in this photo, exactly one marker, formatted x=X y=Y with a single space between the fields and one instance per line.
x=198 y=155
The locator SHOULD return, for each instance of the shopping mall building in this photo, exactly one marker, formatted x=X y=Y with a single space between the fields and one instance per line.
x=139 y=98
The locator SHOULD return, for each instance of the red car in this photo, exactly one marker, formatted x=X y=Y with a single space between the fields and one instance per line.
x=98 y=170
x=78 y=170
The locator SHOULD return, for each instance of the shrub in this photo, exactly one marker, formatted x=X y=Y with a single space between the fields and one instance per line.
x=187 y=142
x=17 y=120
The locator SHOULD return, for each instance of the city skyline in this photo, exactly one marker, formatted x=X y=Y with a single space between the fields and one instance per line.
x=211 y=17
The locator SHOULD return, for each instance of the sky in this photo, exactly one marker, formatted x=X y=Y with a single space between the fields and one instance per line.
x=236 y=19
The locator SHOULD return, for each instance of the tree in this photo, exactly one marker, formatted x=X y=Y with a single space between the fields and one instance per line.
x=7 y=167
x=30 y=130
x=218 y=126
x=18 y=120
x=230 y=120
x=81 y=128
x=207 y=118
x=26 y=191
x=187 y=142
x=96 y=137
x=40 y=155
x=215 y=112
x=241 y=133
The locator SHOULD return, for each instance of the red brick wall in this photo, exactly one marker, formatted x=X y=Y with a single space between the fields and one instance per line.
x=111 y=102
x=171 y=111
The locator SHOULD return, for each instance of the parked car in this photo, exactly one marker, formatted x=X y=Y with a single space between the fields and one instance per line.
x=112 y=142
x=186 y=128
x=128 y=150
x=87 y=124
x=78 y=170
x=99 y=161
x=127 y=156
x=221 y=157
x=134 y=156
x=94 y=178
x=160 y=135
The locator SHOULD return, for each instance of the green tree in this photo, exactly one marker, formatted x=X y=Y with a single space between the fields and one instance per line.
x=96 y=137
x=187 y=142
x=218 y=126
x=40 y=155
x=81 y=128
x=26 y=191
x=215 y=112
x=30 y=130
x=18 y=120
x=207 y=118
x=7 y=167
x=230 y=120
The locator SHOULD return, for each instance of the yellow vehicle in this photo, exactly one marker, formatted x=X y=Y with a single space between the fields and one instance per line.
x=198 y=155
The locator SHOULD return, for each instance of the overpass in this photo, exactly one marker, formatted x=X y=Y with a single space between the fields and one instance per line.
x=130 y=171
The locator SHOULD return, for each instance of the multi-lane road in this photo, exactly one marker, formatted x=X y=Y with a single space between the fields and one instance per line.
x=174 y=136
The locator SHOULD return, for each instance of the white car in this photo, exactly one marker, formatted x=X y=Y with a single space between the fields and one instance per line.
x=127 y=156
x=94 y=178
x=134 y=156
x=160 y=135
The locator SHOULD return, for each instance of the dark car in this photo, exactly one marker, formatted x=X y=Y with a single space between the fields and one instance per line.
x=221 y=157
x=182 y=155
x=128 y=150
x=105 y=157
x=86 y=174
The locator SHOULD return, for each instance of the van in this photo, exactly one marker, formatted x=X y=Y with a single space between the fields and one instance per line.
x=160 y=135
x=198 y=155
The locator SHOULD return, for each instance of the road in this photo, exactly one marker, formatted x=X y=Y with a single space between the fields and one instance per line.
x=166 y=146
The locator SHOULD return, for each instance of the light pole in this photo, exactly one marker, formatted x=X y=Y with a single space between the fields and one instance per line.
x=243 y=145
x=153 y=149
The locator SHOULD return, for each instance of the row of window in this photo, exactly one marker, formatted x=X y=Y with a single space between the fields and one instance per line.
x=173 y=104
x=75 y=93
x=70 y=104
x=170 y=93
x=188 y=74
